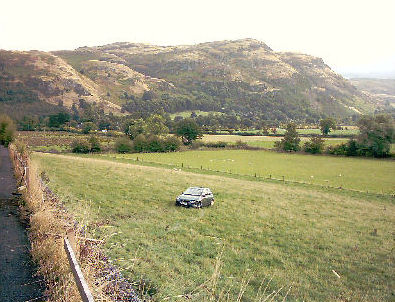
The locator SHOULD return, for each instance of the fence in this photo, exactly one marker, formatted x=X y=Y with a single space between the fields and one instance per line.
x=255 y=175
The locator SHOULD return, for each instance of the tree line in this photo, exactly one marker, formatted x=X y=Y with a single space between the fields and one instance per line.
x=376 y=133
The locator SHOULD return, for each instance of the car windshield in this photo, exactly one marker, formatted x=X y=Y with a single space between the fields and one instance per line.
x=194 y=191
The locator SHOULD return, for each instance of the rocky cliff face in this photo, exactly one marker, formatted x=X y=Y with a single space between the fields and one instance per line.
x=244 y=77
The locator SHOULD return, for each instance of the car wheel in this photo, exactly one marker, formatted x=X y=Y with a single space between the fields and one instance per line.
x=199 y=204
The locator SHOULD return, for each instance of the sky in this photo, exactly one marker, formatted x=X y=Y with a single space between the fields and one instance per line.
x=352 y=36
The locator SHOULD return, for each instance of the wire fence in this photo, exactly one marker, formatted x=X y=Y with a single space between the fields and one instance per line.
x=269 y=177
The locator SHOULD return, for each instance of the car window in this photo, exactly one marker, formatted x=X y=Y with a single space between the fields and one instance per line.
x=194 y=191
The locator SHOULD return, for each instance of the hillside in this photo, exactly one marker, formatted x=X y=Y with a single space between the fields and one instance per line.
x=245 y=77
x=381 y=89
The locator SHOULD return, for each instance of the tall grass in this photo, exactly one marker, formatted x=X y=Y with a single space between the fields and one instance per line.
x=49 y=224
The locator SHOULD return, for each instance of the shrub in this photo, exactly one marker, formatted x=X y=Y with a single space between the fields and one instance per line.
x=196 y=145
x=290 y=141
x=315 y=145
x=352 y=148
x=94 y=144
x=340 y=149
x=80 y=146
x=140 y=143
x=171 y=144
x=241 y=145
x=123 y=145
x=88 y=127
x=216 y=145
x=376 y=135
x=7 y=130
x=154 y=144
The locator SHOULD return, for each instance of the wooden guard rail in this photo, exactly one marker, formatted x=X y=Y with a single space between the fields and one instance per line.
x=82 y=286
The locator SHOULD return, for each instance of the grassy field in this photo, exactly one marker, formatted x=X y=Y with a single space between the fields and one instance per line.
x=262 y=141
x=186 y=114
x=268 y=141
x=362 y=174
x=350 y=131
x=295 y=235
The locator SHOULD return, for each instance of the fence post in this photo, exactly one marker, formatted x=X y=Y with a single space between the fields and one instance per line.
x=82 y=286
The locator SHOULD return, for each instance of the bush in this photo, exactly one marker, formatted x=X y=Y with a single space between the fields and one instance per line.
x=241 y=145
x=376 y=135
x=124 y=145
x=171 y=144
x=315 y=145
x=290 y=141
x=197 y=145
x=80 y=146
x=7 y=130
x=88 y=127
x=140 y=143
x=216 y=145
x=94 y=144
x=154 y=144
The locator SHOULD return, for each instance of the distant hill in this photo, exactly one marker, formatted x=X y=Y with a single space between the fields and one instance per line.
x=380 y=89
x=245 y=77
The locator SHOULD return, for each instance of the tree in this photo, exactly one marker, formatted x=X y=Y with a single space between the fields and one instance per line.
x=290 y=141
x=123 y=145
x=7 y=130
x=88 y=126
x=148 y=95
x=94 y=144
x=156 y=125
x=314 y=145
x=326 y=125
x=188 y=130
x=136 y=128
x=376 y=135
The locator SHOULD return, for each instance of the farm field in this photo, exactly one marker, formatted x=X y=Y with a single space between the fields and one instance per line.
x=59 y=141
x=187 y=114
x=350 y=131
x=345 y=172
x=295 y=236
x=262 y=141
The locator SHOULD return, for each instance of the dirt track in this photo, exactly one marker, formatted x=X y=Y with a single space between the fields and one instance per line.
x=17 y=280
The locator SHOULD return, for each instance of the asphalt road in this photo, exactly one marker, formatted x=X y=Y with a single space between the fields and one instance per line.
x=17 y=273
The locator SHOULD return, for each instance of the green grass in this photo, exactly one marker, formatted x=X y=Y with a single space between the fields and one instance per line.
x=295 y=235
x=361 y=174
x=350 y=131
x=188 y=113
x=262 y=141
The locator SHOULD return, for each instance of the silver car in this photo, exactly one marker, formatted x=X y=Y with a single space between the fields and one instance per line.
x=196 y=197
